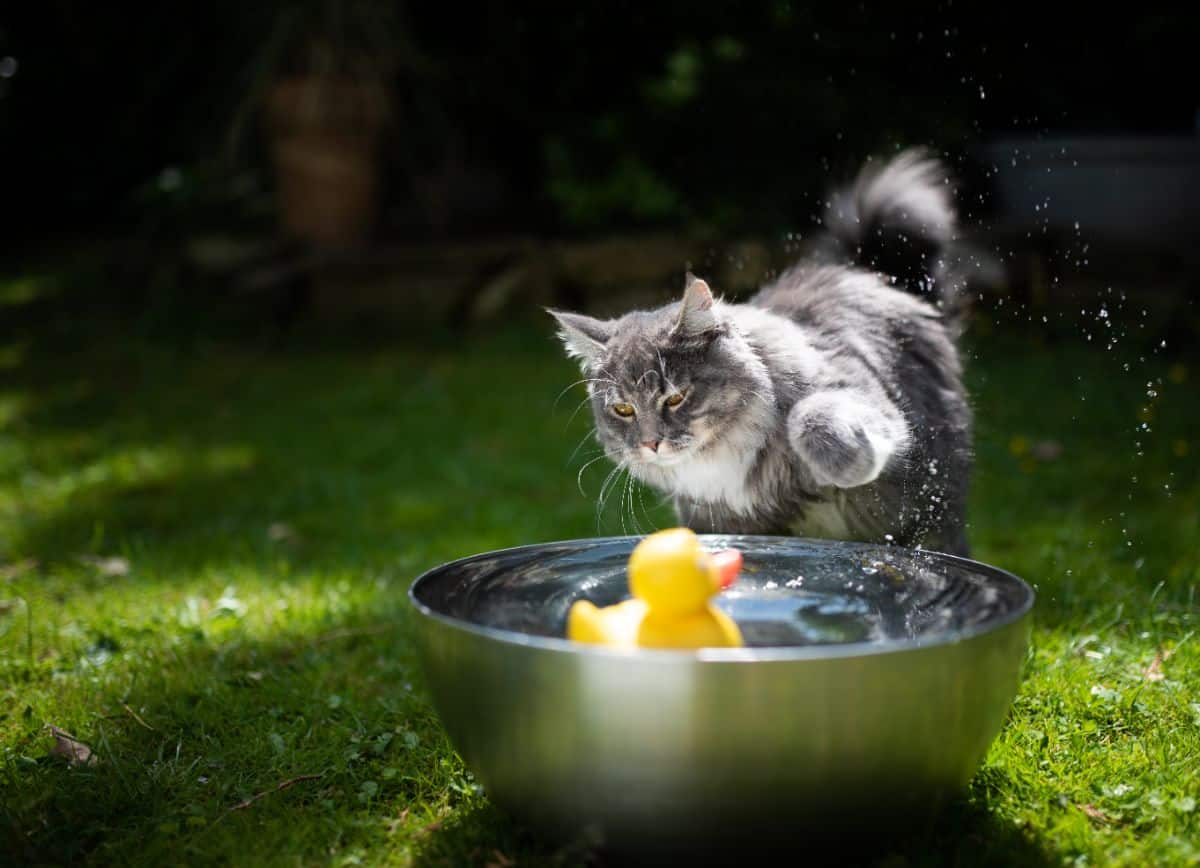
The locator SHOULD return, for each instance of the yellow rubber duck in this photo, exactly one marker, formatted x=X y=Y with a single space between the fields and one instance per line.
x=671 y=578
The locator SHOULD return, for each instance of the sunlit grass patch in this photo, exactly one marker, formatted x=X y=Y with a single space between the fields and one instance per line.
x=204 y=556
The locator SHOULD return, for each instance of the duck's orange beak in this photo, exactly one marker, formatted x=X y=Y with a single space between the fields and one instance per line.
x=724 y=567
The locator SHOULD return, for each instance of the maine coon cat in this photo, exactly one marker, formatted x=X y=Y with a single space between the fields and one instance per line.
x=831 y=404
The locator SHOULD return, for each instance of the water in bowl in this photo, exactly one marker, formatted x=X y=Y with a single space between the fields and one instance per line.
x=790 y=592
x=798 y=617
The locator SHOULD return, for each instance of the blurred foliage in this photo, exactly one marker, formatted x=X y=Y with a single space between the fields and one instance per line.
x=630 y=188
x=592 y=116
x=200 y=197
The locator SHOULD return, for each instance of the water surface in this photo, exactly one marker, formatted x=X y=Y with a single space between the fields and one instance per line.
x=791 y=592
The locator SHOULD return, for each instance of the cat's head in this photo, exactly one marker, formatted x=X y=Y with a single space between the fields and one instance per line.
x=669 y=385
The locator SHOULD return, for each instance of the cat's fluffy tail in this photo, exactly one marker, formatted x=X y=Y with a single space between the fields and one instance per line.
x=898 y=218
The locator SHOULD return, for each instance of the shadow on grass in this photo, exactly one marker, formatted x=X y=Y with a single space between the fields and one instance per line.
x=238 y=752
x=963 y=833
x=486 y=834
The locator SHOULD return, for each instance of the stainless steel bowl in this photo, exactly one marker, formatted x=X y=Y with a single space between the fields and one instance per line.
x=875 y=680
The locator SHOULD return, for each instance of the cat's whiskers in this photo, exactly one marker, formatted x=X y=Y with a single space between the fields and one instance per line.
x=641 y=488
x=662 y=365
x=629 y=496
x=621 y=504
x=618 y=485
x=579 y=445
x=578 y=382
x=671 y=387
x=606 y=489
x=623 y=476
x=579 y=475
x=575 y=412
x=645 y=374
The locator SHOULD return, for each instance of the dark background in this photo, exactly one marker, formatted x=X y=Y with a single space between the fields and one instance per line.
x=567 y=120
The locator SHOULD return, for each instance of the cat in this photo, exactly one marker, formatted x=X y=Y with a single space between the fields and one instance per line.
x=829 y=405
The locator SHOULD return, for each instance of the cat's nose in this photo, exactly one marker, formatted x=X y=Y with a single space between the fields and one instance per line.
x=652 y=445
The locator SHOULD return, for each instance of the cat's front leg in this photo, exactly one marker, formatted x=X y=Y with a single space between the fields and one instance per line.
x=846 y=439
x=700 y=517
x=703 y=517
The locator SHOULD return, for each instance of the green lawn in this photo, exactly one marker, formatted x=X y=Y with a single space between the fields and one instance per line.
x=205 y=552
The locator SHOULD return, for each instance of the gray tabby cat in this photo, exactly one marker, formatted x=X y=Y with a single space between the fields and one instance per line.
x=830 y=405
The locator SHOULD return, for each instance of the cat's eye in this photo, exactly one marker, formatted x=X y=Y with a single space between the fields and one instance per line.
x=623 y=410
x=674 y=400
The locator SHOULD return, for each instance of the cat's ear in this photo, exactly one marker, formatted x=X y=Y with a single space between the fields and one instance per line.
x=696 y=314
x=583 y=336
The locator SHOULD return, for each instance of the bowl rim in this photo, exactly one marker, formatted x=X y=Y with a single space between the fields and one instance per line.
x=759 y=653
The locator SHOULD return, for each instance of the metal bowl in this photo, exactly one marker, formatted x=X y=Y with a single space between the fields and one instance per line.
x=873 y=682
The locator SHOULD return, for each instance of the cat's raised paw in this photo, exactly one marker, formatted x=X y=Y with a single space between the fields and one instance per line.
x=841 y=439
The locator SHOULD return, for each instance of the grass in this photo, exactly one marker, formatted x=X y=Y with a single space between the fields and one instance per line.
x=205 y=548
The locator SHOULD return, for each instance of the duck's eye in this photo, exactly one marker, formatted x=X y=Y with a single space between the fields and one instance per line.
x=674 y=400
x=623 y=410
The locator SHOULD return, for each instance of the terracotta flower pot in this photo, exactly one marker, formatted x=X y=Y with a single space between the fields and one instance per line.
x=324 y=143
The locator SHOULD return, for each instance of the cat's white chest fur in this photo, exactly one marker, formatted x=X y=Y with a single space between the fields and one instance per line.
x=719 y=477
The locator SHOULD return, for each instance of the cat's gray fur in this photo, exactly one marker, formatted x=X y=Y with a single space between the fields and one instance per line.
x=829 y=405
